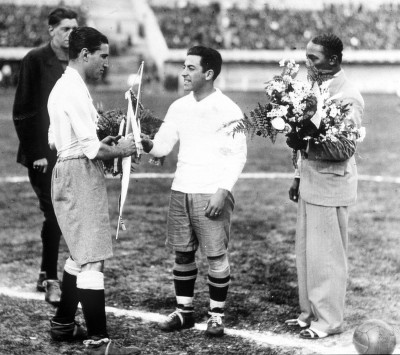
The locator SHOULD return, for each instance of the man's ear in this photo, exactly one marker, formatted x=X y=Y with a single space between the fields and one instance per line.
x=51 y=30
x=334 y=60
x=209 y=74
x=84 y=54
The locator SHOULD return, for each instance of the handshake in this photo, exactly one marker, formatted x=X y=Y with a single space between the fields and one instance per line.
x=126 y=146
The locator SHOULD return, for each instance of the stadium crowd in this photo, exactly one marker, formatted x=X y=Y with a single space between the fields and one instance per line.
x=22 y=25
x=224 y=28
x=232 y=28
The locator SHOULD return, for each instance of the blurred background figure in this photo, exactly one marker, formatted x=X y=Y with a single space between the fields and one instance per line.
x=39 y=71
x=6 y=73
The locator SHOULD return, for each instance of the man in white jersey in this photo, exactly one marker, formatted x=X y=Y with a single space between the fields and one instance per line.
x=201 y=204
x=79 y=192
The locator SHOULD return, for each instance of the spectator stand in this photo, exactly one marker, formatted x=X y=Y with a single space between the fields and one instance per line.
x=22 y=27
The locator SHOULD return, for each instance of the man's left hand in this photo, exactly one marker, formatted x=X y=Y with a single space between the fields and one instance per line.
x=215 y=204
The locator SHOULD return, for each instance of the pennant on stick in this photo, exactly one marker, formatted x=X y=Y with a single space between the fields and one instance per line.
x=132 y=127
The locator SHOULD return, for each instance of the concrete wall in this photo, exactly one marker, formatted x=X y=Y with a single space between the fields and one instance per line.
x=371 y=71
x=378 y=72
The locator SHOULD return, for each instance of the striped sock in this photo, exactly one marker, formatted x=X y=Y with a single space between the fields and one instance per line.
x=184 y=280
x=90 y=285
x=218 y=287
x=69 y=296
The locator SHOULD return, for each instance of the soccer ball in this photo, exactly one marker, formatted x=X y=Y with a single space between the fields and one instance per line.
x=374 y=337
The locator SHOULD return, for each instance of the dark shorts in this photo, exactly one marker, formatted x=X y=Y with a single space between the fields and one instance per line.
x=81 y=205
x=189 y=228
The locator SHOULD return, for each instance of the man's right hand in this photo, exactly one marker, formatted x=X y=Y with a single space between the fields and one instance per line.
x=295 y=142
x=126 y=146
x=40 y=165
x=294 y=190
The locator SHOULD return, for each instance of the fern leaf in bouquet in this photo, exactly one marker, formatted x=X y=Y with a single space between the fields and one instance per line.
x=256 y=123
x=150 y=124
x=108 y=124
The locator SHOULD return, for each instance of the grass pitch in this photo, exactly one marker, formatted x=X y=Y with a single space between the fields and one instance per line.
x=263 y=291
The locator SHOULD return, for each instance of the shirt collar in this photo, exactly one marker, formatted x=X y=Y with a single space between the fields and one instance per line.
x=338 y=73
x=75 y=74
x=215 y=93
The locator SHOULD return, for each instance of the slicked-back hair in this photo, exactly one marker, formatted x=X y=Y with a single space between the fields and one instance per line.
x=210 y=59
x=332 y=44
x=85 y=37
x=59 y=14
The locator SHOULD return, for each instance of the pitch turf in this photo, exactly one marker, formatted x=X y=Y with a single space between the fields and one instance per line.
x=263 y=292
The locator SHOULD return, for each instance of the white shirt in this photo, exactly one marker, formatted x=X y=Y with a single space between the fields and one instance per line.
x=73 y=117
x=209 y=156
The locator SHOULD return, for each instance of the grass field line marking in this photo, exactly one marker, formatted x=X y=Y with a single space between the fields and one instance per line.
x=256 y=175
x=261 y=338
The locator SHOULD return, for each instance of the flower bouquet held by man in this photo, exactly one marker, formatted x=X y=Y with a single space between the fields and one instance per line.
x=303 y=111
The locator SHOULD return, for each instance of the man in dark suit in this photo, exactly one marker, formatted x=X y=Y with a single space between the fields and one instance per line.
x=40 y=69
x=324 y=188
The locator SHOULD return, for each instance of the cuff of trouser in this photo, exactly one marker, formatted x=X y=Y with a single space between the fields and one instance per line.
x=320 y=333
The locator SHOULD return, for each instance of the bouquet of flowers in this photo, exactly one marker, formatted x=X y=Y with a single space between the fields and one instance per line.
x=109 y=123
x=291 y=107
x=290 y=103
x=334 y=123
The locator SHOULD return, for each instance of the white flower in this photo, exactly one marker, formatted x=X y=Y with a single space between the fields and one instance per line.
x=275 y=85
x=279 y=111
x=362 y=131
x=333 y=111
x=282 y=62
x=284 y=110
x=280 y=86
x=278 y=123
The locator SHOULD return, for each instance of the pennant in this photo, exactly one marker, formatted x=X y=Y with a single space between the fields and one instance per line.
x=132 y=127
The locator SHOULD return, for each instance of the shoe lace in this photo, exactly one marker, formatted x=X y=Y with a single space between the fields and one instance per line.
x=175 y=314
x=53 y=284
x=215 y=320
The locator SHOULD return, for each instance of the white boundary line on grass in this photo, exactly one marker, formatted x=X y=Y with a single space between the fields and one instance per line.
x=259 y=175
x=261 y=338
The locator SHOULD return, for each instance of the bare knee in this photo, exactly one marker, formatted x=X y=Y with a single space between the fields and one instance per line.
x=96 y=266
x=218 y=264
x=184 y=257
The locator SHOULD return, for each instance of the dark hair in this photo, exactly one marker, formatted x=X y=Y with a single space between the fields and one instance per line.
x=332 y=44
x=85 y=37
x=210 y=59
x=59 y=14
